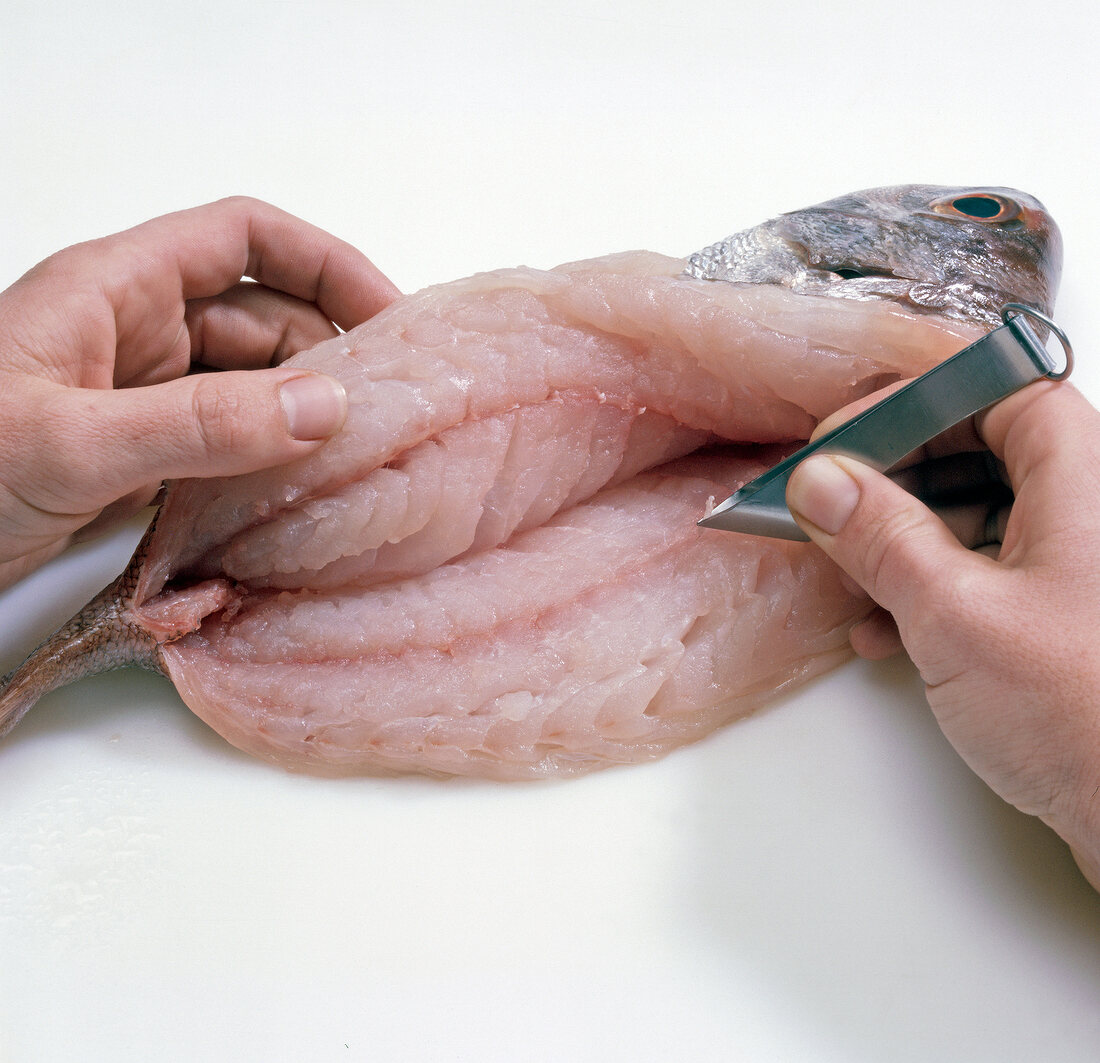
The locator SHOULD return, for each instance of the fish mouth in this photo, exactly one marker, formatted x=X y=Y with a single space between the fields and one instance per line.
x=803 y=269
x=855 y=272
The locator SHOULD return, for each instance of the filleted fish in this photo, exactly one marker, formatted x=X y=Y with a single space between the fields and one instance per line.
x=494 y=569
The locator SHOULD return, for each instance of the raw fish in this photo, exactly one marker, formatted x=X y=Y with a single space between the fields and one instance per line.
x=494 y=569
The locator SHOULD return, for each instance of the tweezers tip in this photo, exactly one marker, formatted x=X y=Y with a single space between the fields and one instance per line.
x=714 y=513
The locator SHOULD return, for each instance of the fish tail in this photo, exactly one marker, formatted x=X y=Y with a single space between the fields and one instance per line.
x=101 y=637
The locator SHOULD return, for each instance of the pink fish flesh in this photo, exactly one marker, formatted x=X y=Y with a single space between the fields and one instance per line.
x=494 y=569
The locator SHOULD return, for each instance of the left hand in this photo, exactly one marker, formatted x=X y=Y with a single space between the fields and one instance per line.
x=97 y=402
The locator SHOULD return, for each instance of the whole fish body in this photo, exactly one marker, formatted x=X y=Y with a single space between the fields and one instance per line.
x=494 y=569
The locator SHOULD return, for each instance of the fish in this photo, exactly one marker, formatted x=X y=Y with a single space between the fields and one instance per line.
x=494 y=569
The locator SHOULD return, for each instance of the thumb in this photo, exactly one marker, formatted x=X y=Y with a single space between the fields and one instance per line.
x=887 y=540
x=105 y=444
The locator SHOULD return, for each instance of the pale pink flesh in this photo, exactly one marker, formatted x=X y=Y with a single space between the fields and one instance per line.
x=542 y=657
x=477 y=576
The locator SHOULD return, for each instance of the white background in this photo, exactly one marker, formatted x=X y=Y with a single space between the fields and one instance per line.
x=822 y=882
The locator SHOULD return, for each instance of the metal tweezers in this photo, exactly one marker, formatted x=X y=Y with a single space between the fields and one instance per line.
x=990 y=369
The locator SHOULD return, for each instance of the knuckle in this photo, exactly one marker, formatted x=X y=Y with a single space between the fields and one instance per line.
x=241 y=203
x=889 y=550
x=62 y=267
x=902 y=577
x=221 y=417
x=244 y=208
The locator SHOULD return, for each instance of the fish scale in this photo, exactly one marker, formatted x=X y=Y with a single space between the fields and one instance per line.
x=101 y=637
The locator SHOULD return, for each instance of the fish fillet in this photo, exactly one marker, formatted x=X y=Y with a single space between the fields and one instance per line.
x=494 y=569
x=480 y=576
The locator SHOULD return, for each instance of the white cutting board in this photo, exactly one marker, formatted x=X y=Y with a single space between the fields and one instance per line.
x=825 y=881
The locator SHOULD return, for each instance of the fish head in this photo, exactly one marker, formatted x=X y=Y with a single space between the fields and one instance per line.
x=959 y=252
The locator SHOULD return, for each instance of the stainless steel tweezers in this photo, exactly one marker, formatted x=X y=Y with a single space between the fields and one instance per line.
x=990 y=369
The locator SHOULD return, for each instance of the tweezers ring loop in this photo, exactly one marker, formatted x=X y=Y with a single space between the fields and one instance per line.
x=1063 y=339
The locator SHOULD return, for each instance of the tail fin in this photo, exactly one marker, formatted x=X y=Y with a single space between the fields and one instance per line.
x=99 y=638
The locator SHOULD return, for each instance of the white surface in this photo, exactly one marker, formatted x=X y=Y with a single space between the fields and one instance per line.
x=823 y=882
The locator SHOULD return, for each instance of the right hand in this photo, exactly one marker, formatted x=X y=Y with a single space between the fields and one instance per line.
x=1008 y=646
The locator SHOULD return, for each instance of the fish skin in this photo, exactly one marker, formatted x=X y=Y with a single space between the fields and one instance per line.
x=643 y=357
x=101 y=637
x=1017 y=258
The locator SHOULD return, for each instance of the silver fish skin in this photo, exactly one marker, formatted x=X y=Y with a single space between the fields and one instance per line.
x=959 y=252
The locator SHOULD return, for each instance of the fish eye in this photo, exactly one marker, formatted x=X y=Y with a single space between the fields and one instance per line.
x=981 y=206
x=978 y=206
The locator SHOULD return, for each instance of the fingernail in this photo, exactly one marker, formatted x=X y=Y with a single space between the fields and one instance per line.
x=823 y=492
x=315 y=406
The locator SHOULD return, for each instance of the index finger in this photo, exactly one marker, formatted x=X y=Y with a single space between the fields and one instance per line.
x=963 y=437
x=1046 y=442
x=210 y=248
x=1048 y=436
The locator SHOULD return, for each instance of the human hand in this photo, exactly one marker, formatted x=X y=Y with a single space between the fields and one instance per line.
x=1006 y=645
x=96 y=343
